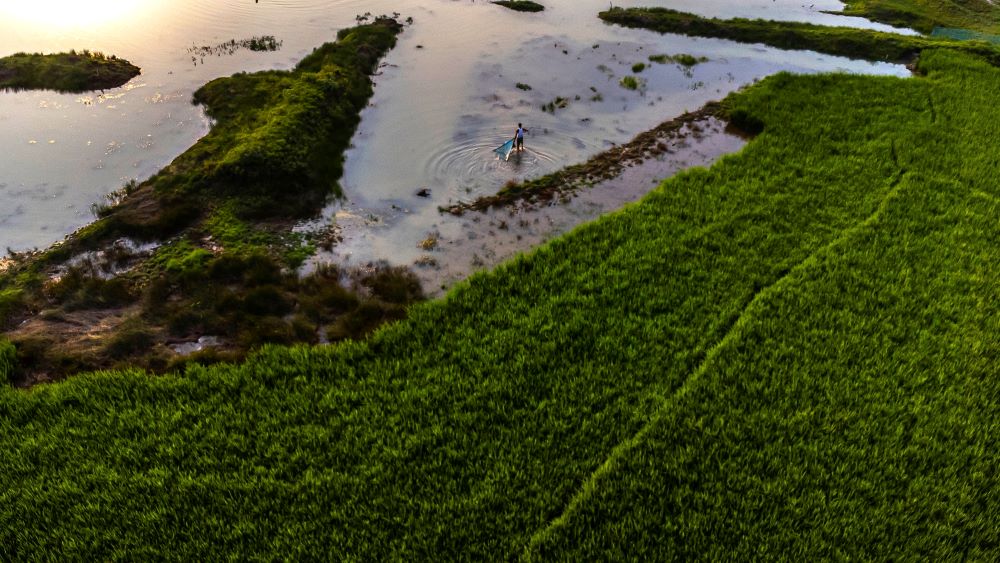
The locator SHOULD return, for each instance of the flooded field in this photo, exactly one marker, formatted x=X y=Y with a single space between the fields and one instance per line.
x=463 y=75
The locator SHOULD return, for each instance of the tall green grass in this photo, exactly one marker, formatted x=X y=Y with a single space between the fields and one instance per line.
x=788 y=355
x=8 y=361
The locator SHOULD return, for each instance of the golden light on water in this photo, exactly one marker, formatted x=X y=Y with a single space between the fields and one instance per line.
x=68 y=13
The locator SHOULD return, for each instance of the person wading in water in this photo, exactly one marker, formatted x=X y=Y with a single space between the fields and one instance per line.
x=519 y=137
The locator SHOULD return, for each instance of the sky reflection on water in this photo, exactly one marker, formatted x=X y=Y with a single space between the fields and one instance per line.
x=445 y=97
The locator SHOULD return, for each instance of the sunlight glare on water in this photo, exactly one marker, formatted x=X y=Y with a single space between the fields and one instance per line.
x=72 y=13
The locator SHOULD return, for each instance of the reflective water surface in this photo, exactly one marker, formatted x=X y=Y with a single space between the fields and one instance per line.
x=447 y=95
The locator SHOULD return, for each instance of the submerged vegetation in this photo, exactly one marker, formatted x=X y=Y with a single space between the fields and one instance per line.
x=263 y=43
x=520 y=5
x=558 y=103
x=630 y=82
x=843 y=41
x=682 y=59
x=65 y=72
x=218 y=220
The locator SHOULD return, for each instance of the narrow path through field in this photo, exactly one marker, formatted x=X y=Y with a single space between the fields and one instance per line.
x=731 y=333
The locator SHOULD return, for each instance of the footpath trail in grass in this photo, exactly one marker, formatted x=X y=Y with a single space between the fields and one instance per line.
x=65 y=72
x=789 y=354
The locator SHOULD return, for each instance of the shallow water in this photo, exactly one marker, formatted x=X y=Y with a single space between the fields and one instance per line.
x=446 y=97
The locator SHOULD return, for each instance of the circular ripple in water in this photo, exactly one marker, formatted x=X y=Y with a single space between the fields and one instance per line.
x=471 y=169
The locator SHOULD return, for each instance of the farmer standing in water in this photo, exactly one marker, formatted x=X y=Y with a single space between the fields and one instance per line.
x=519 y=137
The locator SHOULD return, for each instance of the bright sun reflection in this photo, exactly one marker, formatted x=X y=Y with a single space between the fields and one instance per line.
x=68 y=13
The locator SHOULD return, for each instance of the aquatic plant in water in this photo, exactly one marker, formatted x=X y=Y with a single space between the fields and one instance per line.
x=630 y=82
x=263 y=43
x=682 y=59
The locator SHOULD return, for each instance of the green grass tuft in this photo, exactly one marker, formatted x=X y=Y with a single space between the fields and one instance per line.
x=630 y=82
x=682 y=59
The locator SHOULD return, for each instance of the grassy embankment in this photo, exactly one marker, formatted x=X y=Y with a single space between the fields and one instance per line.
x=223 y=212
x=789 y=355
x=925 y=15
x=520 y=5
x=842 y=41
x=65 y=72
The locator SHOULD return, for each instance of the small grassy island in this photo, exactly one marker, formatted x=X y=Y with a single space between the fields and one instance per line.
x=520 y=5
x=65 y=72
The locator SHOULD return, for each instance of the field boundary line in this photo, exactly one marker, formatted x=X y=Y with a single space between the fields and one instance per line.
x=613 y=461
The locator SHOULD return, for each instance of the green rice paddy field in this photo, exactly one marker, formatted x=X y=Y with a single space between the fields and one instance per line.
x=790 y=355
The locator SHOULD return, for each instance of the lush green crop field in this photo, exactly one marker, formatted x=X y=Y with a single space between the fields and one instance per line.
x=791 y=354
x=852 y=410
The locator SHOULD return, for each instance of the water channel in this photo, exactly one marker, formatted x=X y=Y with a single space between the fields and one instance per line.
x=445 y=97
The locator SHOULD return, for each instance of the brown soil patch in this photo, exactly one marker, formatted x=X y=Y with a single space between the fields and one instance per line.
x=80 y=335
